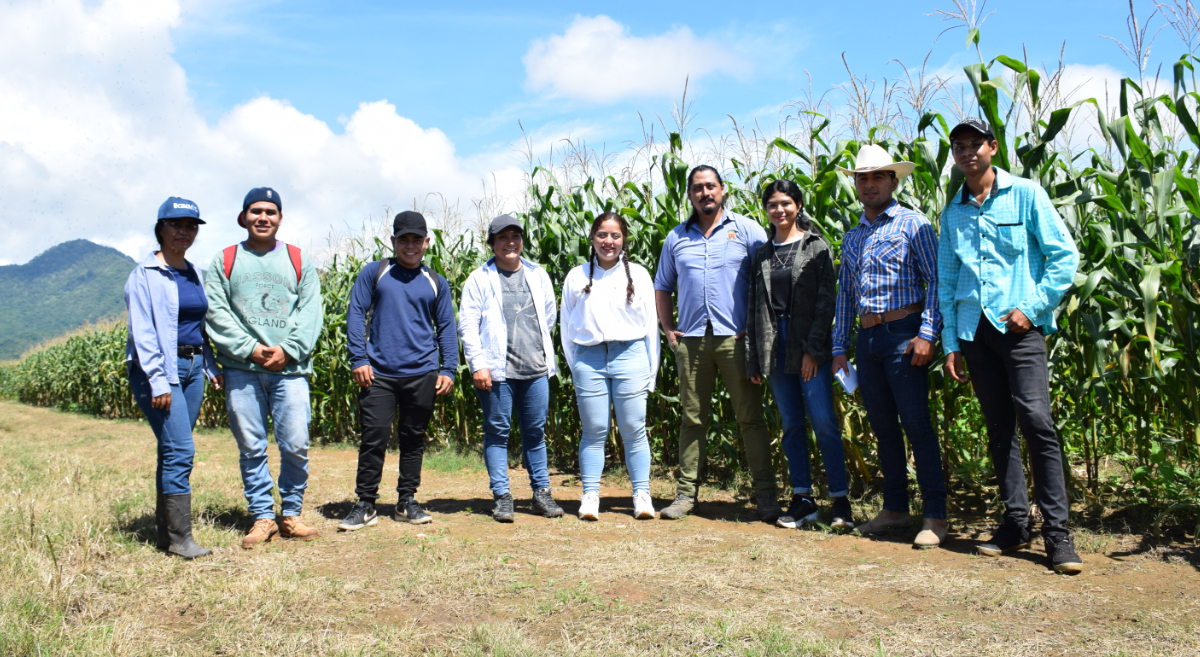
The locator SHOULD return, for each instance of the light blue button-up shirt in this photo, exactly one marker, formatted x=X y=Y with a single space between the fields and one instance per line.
x=711 y=274
x=1014 y=251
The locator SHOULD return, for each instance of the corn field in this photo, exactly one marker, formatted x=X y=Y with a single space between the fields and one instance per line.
x=1125 y=364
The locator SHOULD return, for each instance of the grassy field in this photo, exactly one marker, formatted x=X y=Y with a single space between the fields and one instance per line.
x=79 y=576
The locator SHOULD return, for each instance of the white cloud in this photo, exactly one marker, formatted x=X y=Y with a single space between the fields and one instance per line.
x=597 y=60
x=97 y=127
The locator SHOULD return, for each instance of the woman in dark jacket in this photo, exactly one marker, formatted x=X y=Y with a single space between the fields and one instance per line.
x=788 y=333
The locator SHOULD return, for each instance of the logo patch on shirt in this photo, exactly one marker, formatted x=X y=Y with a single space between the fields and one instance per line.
x=732 y=235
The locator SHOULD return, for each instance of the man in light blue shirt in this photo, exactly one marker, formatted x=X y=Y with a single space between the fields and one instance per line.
x=706 y=262
x=1005 y=260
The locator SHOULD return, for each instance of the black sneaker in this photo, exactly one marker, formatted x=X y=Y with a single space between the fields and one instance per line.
x=543 y=503
x=362 y=515
x=1061 y=549
x=1010 y=537
x=802 y=510
x=412 y=512
x=768 y=508
x=503 y=511
x=843 y=515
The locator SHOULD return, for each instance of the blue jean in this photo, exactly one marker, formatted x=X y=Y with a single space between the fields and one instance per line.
x=895 y=393
x=797 y=401
x=173 y=426
x=616 y=376
x=531 y=397
x=250 y=397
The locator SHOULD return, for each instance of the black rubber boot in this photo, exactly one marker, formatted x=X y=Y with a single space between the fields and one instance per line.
x=179 y=528
x=162 y=540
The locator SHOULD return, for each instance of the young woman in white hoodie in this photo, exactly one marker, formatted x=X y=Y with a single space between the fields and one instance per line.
x=609 y=329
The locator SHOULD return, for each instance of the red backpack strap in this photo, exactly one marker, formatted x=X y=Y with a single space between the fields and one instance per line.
x=294 y=254
x=227 y=257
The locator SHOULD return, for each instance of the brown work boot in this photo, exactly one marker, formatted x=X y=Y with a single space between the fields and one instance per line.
x=263 y=531
x=295 y=527
x=884 y=522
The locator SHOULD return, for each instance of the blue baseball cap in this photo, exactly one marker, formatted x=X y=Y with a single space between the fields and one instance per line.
x=179 y=208
x=262 y=194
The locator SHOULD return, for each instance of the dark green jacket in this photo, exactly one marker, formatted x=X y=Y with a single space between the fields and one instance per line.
x=814 y=297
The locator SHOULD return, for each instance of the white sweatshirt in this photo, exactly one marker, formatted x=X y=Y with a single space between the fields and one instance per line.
x=604 y=315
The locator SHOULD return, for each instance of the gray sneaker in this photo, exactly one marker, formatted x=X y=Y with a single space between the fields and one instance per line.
x=679 y=508
x=768 y=508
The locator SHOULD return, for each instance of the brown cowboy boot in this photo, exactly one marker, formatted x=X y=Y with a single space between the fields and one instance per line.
x=295 y=527
x=263 y=531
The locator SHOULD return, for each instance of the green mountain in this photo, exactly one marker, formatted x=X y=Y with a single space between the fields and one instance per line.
x=64 y=288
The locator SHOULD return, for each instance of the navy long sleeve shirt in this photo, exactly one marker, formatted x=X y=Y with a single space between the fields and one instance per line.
x=411 y=324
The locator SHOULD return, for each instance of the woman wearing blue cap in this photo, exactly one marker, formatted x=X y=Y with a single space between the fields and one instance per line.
x=168 y=358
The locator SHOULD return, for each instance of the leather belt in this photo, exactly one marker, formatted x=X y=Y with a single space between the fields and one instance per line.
x=188 y=351
x=875 y=319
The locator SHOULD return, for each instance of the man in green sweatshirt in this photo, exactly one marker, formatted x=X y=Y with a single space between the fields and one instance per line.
x=265 y=317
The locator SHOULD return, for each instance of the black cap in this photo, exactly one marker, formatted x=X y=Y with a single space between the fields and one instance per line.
x=262 y=194
x=409 y=222
x=500 y=223
x=975 y=125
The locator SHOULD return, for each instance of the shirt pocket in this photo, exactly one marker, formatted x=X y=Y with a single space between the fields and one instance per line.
x=1010 y=237
x=890 y=252
x=735 y=255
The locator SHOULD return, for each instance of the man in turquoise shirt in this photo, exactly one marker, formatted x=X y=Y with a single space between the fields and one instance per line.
x=1005 y=260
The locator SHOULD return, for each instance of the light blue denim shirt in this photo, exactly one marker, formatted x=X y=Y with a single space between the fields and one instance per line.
x=1014 y=251
x=710 y=274
x=152 y=298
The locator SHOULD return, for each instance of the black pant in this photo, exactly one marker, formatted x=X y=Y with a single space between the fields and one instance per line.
x=1011 y=380
x=413 y=397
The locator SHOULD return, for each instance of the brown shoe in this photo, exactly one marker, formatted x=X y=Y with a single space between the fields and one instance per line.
x=295 y=527
x=884 y=522
x=263 y=531
x=933 y=534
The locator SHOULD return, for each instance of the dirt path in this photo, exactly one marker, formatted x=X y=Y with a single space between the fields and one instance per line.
x=715 y=583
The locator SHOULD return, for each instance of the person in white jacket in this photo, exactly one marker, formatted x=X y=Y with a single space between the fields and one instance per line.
x=610 y=337
x=504 y=318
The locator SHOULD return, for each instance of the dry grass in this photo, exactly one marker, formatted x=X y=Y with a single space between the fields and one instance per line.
x=77 y=575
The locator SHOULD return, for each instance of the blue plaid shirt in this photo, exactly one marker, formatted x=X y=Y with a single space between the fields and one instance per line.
x=1014 y=251
x=887 y=264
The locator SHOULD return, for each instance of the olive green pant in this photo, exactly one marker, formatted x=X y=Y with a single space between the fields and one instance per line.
x=699 y=360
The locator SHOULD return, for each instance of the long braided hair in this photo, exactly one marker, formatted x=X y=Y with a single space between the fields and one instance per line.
x=610 y=216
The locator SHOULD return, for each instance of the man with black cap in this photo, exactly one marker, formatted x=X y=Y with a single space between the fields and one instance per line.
x=505 y=316
x=399 y=325
x=1005 y=260
x=265 y=316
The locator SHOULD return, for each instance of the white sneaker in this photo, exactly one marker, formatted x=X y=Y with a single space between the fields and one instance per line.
x=643 y=507
x=589 y=506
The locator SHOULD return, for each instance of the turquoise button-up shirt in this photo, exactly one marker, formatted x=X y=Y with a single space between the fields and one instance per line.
x=1014 y=251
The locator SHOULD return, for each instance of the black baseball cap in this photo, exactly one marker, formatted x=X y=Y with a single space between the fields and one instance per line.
x=500 y=223
x=975 y=125
x=409 y=222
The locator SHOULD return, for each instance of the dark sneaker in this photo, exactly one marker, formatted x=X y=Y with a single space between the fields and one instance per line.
x=412 y=512
x=768 y=508
x=803 y=510
x=843 y=516
x=1010 y=537
x=1061 y=549
x=503 y=510
x=362 y=515
x=544 y=504
x=679 y=508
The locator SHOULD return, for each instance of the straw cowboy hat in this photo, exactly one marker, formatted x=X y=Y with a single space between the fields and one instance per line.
x=873 y=158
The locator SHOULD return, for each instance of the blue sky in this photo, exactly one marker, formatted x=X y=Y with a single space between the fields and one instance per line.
x=353 y=109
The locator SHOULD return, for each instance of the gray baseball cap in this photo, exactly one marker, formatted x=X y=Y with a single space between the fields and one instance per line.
x=500 y=223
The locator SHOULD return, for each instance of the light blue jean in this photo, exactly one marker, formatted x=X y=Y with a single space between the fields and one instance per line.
x=173 y=426
x=613 y=375
x=250 y=398
x=531 y=397
x=799 y=400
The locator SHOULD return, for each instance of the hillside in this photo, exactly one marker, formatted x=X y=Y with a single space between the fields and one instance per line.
x=65 y=287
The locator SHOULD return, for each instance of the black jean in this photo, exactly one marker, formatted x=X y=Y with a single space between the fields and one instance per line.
x=413 y=398
x=1010 y=376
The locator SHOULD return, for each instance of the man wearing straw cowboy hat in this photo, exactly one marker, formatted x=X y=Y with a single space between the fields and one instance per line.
x=888 y=279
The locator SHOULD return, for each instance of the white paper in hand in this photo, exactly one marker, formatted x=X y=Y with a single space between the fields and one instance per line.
x=848 y=378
